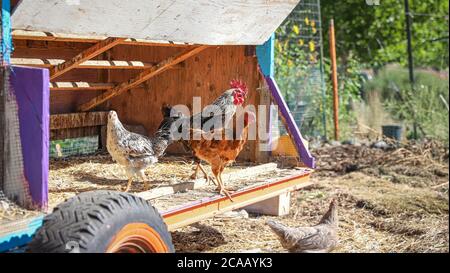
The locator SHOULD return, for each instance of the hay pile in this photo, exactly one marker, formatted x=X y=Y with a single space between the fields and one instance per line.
x=426 y=162
x=70 y=176
x=390 y=200
x=10 y=211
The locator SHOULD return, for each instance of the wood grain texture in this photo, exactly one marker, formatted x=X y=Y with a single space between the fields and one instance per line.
x=19 y=34
x=142 y=77
x=206 y=75
x=75 y=120
x=74 y=86
x=92 y=64
x=61 y=134
x=83 y=56
x=217 y=22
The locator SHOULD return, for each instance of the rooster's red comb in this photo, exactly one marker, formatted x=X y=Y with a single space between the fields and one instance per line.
x=239 y=85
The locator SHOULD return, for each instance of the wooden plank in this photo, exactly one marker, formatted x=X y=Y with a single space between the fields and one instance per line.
x=200 y=183
x=62 y=134
x=205 y=208
x=206 y=75
x=219 y=22
x=275 y=206
x=87 y=54
x=91 y=64
x=142 y=77
x=60 y=37
x=73 y=86
x=76 y=120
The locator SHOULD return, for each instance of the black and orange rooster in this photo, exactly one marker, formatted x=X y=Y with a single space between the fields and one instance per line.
x=226 y=104
x=221 y=147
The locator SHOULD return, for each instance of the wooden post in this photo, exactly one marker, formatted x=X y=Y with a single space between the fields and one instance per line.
x=410 y=59
x=334 y=80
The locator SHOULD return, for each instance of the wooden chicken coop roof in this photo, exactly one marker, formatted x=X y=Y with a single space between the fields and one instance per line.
x=220 y=22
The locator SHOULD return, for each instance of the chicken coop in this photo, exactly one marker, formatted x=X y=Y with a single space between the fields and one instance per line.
x=67 y=63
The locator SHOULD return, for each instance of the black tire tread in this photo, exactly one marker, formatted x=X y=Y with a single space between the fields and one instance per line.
x=81 y=218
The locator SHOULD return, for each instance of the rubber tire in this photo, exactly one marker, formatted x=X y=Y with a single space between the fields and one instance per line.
x=91 y=220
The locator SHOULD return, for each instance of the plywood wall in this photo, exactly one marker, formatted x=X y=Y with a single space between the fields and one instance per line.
x=61 y=101
x=206 y=75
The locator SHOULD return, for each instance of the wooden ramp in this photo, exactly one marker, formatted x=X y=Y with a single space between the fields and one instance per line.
x=189 y=202
x=208 y=205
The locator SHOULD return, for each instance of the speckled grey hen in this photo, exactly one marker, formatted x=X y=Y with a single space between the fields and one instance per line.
x=133 y=151
x=320 y=238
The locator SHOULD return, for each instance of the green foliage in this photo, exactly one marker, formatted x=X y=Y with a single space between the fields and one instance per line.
x=299 y=74
x=350 y=84
x=297 y=68
x=367 y=37
x=376 y=34
x=425 y=104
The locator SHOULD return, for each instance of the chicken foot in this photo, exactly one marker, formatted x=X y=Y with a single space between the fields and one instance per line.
x=130 y=180
x=144 y=180
x=208 y=178
x=221 y=188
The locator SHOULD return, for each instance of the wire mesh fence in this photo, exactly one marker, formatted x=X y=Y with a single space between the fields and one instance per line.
x=299 y=68
x=13 y=182
x=74 y=147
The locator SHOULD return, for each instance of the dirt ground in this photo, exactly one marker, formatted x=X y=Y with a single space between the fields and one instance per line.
x=390 y=200
x=393 y=199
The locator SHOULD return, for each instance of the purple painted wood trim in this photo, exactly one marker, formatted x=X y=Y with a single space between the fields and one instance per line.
x=305 y=155
x=31 y=86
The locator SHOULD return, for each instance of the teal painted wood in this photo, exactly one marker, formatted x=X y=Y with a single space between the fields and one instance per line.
x=22 y=236
x=266 y=54
x=6 y=32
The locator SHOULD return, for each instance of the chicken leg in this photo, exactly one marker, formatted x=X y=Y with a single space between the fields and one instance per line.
x=144 y=180
x=208 y=178
x=130 y=180
x=220 y=187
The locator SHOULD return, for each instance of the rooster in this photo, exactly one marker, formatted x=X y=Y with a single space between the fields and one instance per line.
x=225 y=107
x=317 y=239
x=133 y=151
x=214 y=147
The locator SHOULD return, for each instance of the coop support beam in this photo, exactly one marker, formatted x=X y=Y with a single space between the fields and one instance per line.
x=142 y=77
x=291 y=126
x=247 y=173
x=205 y=208
x=275 y=206
x=75 y=86
x=91 y=64
x=6 y=41
x=87 y=54
x=77 y=120
x=58 y=37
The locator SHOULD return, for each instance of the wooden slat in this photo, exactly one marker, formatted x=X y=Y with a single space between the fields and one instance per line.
x=57 y=37
x=142 y=77
x=247 y=173
x=62 y=134
x=45 y=63
x=205 y=208
x=86 y=55
x=103 y=64
x=56 y=86
x=76 y=120
x=92 y=64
